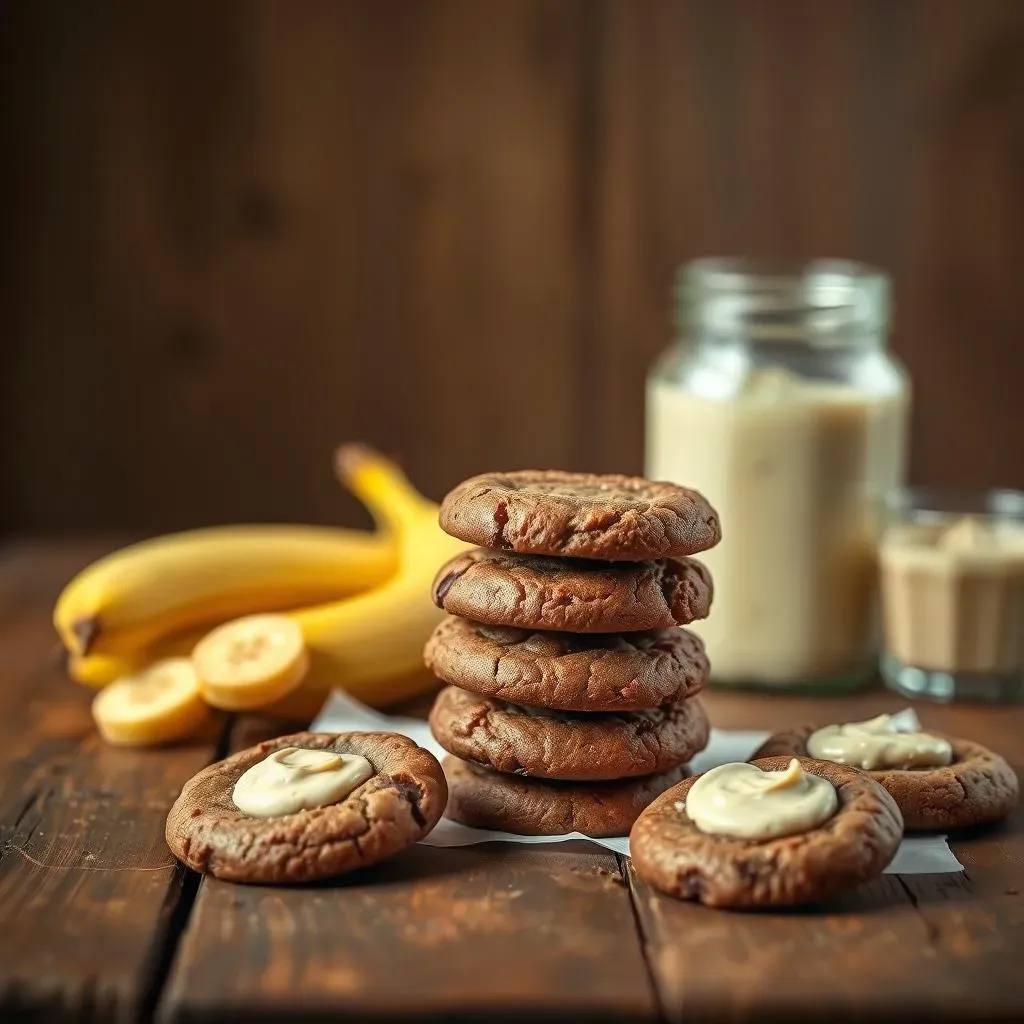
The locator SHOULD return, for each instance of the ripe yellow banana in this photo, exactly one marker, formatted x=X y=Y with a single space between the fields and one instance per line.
x=159 y=705
x=99 y=670
x=250 y=662
x=133 y=598
x=371 y=645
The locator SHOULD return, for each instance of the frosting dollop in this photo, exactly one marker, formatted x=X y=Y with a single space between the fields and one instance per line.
x=296 y=779
x=879 y=744
x=745 y=802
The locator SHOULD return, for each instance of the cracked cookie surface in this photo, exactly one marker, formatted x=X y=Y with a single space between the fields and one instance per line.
x=393 y=809
x=565 y=745
x=580 y=515
x=569 y=671
x=541 y=807
x=855 y=845
x=979 y=787
x=535 y=592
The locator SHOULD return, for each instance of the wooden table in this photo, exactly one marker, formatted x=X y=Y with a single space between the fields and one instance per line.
x=98 y=922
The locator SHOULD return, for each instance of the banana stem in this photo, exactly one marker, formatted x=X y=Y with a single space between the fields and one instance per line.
x=380 y=485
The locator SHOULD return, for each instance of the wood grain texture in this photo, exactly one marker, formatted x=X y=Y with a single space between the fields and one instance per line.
x=93 y=911
x=290 y=228
x=238 y=234
x=848 y=960
x=890 y=133
x=937 y=947
x=470 y=934
x=491 y=932
x=88 y=890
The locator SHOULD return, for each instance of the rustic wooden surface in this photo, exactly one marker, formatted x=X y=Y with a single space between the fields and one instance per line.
x=97 y=923
x=238 y=233
x=89 y=894
x=922 y=946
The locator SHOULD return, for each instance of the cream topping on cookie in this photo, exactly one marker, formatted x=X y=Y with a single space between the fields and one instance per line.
x=879 y=744
x=296 y=779
x=742 y=801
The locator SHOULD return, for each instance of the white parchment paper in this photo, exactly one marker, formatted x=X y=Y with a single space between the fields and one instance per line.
x=918 y=855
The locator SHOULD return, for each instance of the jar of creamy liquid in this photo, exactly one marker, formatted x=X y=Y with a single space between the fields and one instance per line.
x=781 y=404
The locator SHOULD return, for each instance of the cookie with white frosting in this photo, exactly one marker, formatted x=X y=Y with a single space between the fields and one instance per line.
x=307 y=807
x=938 y=782
x=774 y=832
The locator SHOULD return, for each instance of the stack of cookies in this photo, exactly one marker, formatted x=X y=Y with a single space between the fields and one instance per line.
x=570 y=699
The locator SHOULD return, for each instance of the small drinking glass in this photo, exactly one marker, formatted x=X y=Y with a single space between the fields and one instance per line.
x=951 y=567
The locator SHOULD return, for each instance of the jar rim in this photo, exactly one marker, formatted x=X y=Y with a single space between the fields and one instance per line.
x=944 y=502
x=734 y=271
x=823 y=301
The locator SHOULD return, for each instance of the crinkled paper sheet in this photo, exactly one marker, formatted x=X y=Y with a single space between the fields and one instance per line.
x=918 y=855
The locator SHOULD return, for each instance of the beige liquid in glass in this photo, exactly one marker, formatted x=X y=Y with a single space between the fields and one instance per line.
x=954 y=595
x=796 y=470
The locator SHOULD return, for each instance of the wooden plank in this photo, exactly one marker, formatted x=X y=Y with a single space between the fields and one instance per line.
x=280 y=230
x=847 y=960
x=795 y=129
x=399 y=220
x=89 y=893
x=90 y=902
x=486 y=932
x=490 y=932
x=975 y=923
x=939 y=947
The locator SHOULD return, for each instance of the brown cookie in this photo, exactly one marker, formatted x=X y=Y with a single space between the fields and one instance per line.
x=569 y=671
x=564 y=745
x=977 y=788
x=856 y=844
x=540 y=807
x=533 y=592
x=580 y=515
x=387 y=813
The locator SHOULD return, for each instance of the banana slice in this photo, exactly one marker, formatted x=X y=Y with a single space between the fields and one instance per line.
x=159 y=704
x=250 y=662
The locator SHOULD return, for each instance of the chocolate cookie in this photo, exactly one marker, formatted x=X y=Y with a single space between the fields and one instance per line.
x=579 y=515
x=539 y=807
x=977 y=788
x=564 y=745
x=569 y=671
x=573 y=595
x=393 y=809
x=856 y=844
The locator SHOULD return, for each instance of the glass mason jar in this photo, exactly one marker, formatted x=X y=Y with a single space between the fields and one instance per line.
x=780 y=403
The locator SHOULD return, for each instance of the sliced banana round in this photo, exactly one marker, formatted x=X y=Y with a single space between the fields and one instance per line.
x=158 y=704
x=250 y=662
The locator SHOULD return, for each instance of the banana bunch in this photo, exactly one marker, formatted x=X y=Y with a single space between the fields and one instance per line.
x=142 y=594
x=298 y=611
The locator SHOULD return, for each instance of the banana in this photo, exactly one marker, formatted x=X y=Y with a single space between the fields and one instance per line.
x=372 y=645
x=250 y=662
x=159 y=705
x=98 y=670
x=134 y=597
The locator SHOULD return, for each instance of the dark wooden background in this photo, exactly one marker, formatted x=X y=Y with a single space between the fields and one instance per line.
x=237 y=232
